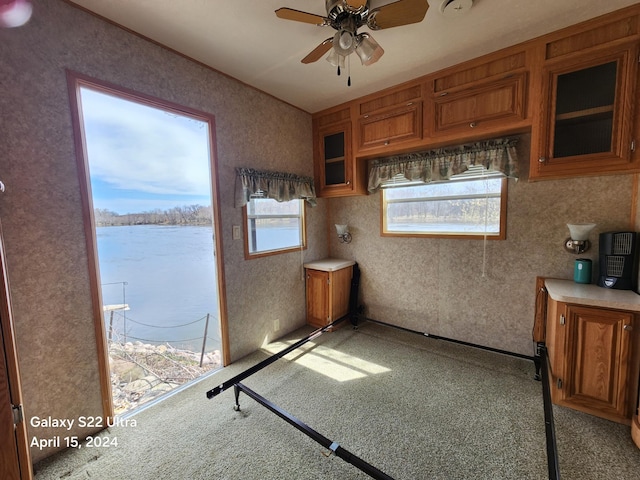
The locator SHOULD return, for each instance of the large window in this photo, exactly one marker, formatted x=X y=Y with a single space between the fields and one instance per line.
x=466 y=208
x=273 y=227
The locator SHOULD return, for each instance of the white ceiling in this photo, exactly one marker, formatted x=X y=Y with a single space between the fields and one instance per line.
x=245 y=39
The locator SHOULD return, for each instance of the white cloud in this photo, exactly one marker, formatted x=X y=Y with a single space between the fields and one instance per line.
x=136 y=147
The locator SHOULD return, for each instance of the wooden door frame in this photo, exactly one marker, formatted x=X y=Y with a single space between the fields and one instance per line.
x=76 y=80
x=19 y=444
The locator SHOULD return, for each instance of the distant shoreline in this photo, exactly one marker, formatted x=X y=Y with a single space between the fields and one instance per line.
x=185 y=215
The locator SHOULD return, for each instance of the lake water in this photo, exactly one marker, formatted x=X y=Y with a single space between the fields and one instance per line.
x=167 y=276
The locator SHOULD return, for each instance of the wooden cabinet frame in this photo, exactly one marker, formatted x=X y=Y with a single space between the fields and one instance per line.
x=507 y=92
x=354 y=171
x=593 y=357
x=327 y=295
x=390 y=128
x=491 y=103
x=598 y=360
x=619 y=159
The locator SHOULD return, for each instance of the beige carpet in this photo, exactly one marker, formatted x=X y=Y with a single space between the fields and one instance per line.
x=414 y=407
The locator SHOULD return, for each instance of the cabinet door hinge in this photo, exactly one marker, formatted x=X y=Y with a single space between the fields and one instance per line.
x=18 y=415
x=559 y=383
x=562 y=320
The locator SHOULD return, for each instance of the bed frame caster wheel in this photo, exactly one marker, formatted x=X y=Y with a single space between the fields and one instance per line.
x=236 y=408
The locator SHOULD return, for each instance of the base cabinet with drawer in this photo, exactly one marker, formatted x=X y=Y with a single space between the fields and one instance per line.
x=593 y=352
x=328 y=284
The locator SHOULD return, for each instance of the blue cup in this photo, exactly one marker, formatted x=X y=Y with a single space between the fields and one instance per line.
x=582 y=271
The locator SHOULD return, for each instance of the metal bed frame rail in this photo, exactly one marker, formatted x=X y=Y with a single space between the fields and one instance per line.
x=333 y=447
x=265 y=363
x=552 y=449
x=541 y=360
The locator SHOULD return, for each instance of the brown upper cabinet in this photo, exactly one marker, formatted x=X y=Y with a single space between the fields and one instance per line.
x=479 y=98
x=392 y=119
x=574 y=90
x=586 y=118
x=336 y=171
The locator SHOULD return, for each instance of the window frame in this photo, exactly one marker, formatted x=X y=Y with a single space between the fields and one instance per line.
x=502 y=235
x=266 y=253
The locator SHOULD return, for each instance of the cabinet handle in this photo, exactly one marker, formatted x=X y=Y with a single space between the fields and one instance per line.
x=473 y=124
x=628 y=328
x=409 y=103
x=386 y=142
x=348 y=182
x=542 y=159
x=366 y=116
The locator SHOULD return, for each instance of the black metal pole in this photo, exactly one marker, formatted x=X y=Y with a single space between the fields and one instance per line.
x=318 y=437
x=265 y=363
x=452 y=340
x=552 y=450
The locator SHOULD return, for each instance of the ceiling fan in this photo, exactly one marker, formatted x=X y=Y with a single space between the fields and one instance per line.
x=346 y=16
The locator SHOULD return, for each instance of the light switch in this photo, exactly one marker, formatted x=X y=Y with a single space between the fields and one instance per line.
x=235 y=232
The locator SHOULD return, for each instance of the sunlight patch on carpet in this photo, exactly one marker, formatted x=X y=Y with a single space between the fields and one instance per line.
x=332 y=363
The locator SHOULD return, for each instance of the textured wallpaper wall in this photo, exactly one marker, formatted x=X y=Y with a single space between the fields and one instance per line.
x=431 y=285
x=439 y=286
x=41 y=210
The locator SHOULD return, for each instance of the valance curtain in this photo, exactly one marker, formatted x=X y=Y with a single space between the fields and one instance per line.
x=498 y=155
x=279 y=186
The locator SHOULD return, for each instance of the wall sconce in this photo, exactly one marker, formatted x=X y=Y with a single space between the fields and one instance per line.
x=343 y=233
x=578 y=242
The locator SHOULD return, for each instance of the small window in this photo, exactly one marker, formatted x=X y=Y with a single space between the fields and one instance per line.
x=464 y=208
x=273 y=227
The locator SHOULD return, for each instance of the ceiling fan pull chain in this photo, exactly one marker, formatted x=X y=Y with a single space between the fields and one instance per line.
x=338 y=70
x=349 y=71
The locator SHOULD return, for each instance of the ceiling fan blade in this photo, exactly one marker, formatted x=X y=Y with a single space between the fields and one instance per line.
x=317 y=53
x=402 y=12
x=298 y=16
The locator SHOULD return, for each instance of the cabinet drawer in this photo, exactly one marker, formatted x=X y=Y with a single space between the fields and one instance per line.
x=500 y=102
x=392 y=127
x=394 y=99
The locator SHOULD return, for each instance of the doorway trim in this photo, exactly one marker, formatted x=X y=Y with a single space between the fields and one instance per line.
x=76 y=80
x=15 y=450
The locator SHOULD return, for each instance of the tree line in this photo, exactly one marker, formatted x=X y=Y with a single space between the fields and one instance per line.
x=184 y=215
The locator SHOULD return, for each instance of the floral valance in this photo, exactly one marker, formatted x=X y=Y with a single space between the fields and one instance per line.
x=497 y=155
x=276 y=185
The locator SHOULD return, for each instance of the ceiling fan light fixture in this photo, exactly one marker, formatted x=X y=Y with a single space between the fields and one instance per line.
x=367 y=49
x=335 y=59
x=344 y=42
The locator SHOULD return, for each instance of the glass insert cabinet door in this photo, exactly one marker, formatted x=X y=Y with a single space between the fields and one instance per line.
x=335 y=157
x=585 y=104
x=589 y=112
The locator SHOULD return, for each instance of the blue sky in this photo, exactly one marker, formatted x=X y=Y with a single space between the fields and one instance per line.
x=142 y=158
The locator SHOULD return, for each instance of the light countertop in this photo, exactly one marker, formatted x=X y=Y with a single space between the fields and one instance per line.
x=568 y=291
x=329 y=264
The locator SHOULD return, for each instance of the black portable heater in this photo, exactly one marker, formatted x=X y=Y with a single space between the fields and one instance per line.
x=619 y=260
